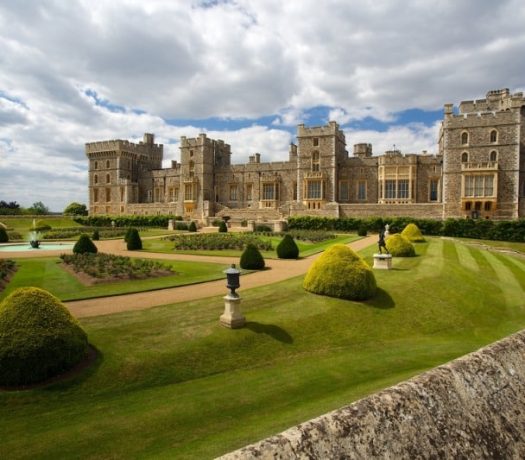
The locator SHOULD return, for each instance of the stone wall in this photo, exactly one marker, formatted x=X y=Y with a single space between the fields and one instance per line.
x=473 y=407
x=416 y=210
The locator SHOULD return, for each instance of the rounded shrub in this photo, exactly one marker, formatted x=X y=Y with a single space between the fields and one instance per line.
x=362 y=230
x=4 y=237
x=399 y=246
x=251 y=258
x=127 y=234
x=39 y=338
x=412 y=233
x=192 y=227
x=134 y=242
x=340 y=272
x=96 y=235
x=222 y=227
x=287 y=248
x=84 y=245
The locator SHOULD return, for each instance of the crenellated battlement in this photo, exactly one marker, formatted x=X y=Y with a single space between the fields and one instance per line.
x=331 y=129
x=119 y=145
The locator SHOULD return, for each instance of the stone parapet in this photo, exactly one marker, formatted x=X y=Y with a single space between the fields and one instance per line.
x=473 y=407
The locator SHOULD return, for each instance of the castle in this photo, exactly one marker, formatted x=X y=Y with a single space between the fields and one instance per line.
x=479 y=172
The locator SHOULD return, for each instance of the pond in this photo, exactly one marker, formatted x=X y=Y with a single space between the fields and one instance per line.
x=43 y=247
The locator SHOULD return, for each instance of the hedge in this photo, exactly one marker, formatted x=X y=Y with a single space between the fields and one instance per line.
x=466 y=228
x=126 y=221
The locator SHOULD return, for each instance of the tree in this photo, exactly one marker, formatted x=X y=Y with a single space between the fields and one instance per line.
x=134 y=242
x=84 y=245
x=4 y=238
x=76 y=209
x=38 y=208
x=9 y=208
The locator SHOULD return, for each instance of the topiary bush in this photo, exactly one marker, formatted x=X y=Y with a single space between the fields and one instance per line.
x=412 y=233
x=39 y=338
x=222 y=227
x=192 y=227
x=399 y=246
x=128 y=233
x=251 y=258
x=4 y=237
x=96 y=235
x=84 y=245
x=287 y=248
x=134 y=242
x=362 y=230
x=340 y=272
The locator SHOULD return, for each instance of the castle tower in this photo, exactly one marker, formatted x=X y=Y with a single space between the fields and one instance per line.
x=483 y=153
x=319 y=150
x=115 y=169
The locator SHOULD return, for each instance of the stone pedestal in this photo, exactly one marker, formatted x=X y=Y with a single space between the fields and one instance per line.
x=383 y=261
x=232 y=316
x=170 y=224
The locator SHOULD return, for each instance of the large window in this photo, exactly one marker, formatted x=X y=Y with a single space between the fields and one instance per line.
x=480 y=185
x=314 y=190
x=249 y=192
x=269 y=192
x=464 y=138
x=390 y=189
x=434 y=189
x=233 y=192
x=361 y=190
x=188 y=192
x=402 y=188
x=315 y=161
x=343 y=191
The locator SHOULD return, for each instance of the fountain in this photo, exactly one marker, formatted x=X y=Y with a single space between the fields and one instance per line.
x=33 y=237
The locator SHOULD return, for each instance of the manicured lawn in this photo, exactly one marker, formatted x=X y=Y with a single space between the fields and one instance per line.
x=515 y=246
x=305 y=248
x=22 y=224
x=47 y=274
x=172 y=383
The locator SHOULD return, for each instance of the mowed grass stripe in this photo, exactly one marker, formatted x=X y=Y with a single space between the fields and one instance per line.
x=433 y=256
x=510 y=285
x=517 y=268
x=466 y=259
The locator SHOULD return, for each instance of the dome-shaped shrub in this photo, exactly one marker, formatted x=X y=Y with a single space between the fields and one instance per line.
x=39 y=338
x=192 y=227
x=96 y=235
x=287 y=248
x=4 y=238
x=134 y=242
x=128 y=234
x=340 y=272
x=399 y=246
x=412 y=233
x=222 y=227
x=251 y=258
x=84 y=244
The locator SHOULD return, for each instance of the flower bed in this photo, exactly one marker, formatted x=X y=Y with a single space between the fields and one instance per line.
x=74 y=232
x=108 y=267
x=212 y=241
x=313 y=236
x=7 y=268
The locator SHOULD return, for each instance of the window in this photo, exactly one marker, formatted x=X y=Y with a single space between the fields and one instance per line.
x=108 y=178
x=343 y=191
x=316 y=141
x=493 y=136
x=95 y=179
x=294 y=185
x=402 y=188
x=464 y=138
x=468 y=205
x=434 y=189
x=314 y=190
x=188 y=192
x=191 y=153
x=233 y=192
x=249 y=192
x=315 y=161
x=464 y=157
x=482 y=185
x=192 y=168
x=493 y=156
x=121 y=193
x=108 y=194
x=488 y=206
x=107 y=164
x=269 y=192
x=390 y=189
x=361 y=190
x=96 y=164
x=95 y=195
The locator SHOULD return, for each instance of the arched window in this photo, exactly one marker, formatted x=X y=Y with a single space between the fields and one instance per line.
x=108 y=178
x=315 y=161
x=95 y=179
x=493 y=136
x=493 y=156
x=96 y=164
x=464 y=138
x=464 y=157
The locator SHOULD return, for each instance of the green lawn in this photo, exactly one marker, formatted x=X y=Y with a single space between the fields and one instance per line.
x=22 y=224
x=515 y=246
x=172 y=383
x=46 y=273
x=305 y=248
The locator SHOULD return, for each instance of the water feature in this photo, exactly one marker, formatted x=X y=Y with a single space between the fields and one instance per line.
x=41 y=247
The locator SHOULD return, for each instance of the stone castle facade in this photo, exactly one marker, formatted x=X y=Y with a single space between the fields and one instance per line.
x=478 y=172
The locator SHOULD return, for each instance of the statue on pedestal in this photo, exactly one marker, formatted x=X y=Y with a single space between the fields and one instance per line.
x=381 y=243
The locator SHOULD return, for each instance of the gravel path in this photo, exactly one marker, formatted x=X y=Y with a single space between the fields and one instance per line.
x=279 y=270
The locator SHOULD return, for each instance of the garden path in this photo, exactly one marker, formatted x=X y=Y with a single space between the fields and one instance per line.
x=279 y=269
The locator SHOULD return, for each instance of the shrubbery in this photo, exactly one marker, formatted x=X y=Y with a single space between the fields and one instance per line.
x=213 y=241
x=362 y=230
x=84 y=245
x=340 y=272
x=126 y=221
x=399 y=246
x=4 y=237
x=96 y=235
x=7 y=266
x=287 y=248
x=251 y=258
x=133 y=242
x=412 y=233
x=192 y=227
x=75 y=232
x=222 y=227
x=39 y=338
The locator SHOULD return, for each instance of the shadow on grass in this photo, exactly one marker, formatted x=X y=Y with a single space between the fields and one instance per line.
x=273 y=331
x=381 y=300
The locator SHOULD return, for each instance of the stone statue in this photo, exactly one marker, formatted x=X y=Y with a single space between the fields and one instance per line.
x=387 y=233
x=381 y=243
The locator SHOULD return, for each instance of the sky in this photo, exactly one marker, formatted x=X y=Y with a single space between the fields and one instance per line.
x=245 y=71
